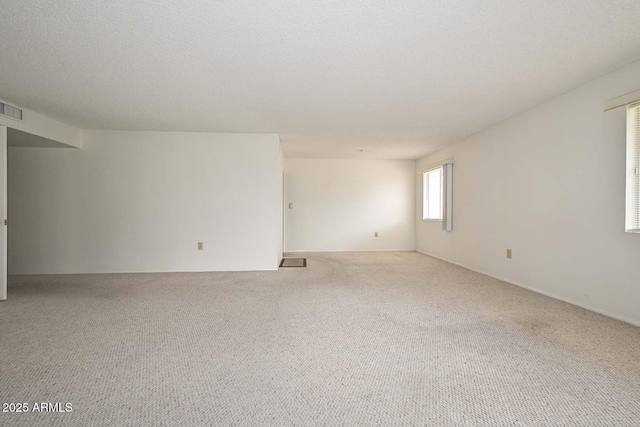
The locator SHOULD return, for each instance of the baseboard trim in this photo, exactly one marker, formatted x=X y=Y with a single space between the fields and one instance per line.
x=348 y=250
x=538 y=291
x=140 y=272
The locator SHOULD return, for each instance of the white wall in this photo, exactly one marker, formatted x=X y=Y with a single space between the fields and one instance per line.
x=280 y=203
x=3 y=212
x=140 y=201
x=339 y=204
x=44 y=127
x=549 y=184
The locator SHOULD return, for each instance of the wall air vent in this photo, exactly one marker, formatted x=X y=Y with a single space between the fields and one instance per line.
x=10 y=111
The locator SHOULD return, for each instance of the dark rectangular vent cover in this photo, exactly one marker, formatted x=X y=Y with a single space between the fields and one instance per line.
x=293 y=262
x=10 y=111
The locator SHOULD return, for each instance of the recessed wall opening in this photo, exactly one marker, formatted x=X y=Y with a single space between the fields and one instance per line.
x=16 y=194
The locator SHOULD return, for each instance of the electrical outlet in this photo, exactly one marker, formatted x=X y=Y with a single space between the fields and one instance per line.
x=375 y=234
x=200 y=246
x=509 y=253
x=290 y=205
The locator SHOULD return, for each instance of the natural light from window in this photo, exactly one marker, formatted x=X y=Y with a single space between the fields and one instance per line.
x=432 y=202
x=633 y=169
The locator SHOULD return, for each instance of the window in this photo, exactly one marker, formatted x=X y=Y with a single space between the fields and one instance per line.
x=433 y=194
x=437 y=194
x=632 y=223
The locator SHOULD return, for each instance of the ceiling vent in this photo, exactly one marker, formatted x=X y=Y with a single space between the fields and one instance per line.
x=10 y=111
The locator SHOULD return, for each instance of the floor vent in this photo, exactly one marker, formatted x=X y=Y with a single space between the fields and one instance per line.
x=10 y=111
x=293 y=262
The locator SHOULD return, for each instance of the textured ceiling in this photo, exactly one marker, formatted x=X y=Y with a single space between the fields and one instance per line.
x=395 y=78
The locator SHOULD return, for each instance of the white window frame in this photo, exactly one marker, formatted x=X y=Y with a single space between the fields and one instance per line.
x=631 y=101
x=425 y=195
x=632 y=209
x=446 y=194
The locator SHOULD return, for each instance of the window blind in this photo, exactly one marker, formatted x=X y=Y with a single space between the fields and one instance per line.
x=633 y=169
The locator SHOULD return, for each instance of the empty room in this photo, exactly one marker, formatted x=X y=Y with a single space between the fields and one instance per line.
x=368 y=213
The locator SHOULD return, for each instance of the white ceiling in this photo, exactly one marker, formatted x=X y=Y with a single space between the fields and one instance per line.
x=397 y=78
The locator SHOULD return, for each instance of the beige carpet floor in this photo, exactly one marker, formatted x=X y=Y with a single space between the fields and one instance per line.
x=353 y=339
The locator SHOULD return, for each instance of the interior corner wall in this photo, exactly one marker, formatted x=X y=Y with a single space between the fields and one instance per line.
x=338 y=205
x=45 y=127
x=140 y=202
x=281 y=203
x=550 y=185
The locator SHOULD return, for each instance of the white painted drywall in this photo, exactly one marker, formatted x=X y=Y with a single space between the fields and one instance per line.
x=549 y=184
x=140 y=201
x=338 y=205
x=280 y=172
x=44 y=127
x=3 y=212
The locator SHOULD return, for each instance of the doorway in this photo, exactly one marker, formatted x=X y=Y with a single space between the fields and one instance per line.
x=14 y=138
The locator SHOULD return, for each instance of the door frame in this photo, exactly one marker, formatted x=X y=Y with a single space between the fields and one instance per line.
x=3 y=213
